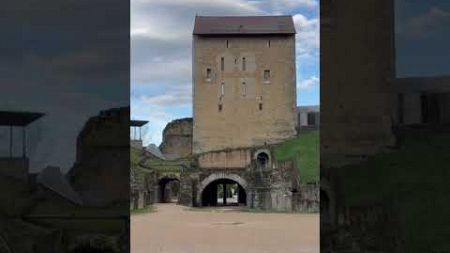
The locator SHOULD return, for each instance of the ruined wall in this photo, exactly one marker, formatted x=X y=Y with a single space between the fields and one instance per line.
x=237 y=107
x=16 y=168
x=275 y=187
x=356 y=76
x=412 y=109
x=101 y=170
x=177 y=139
x=239 y=158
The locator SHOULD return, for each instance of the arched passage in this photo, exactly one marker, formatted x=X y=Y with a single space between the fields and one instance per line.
x=223 y=190
x=262 y=160
x=168 y=190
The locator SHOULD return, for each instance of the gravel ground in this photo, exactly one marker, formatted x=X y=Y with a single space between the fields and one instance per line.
x=178 y=229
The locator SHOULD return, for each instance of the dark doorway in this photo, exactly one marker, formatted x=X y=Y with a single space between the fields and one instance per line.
x=430 y=108
x=263 y=160
x=169 y=190
x=311 y=119
x=224 y=192
x=324 y=208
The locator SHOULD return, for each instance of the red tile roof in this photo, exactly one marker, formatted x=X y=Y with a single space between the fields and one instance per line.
x=223 y=25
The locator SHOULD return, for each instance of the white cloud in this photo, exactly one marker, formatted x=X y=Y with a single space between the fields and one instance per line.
x=161 y=37
x=297 y=3
x=174 y=97
x=307 y=39
x=421 y=26
x=308 y=83
x=156 y=112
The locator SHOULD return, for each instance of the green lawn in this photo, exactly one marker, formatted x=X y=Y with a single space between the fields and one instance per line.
x=413 y=181
x=152 y=163
x=148 y=209
x=305 y=151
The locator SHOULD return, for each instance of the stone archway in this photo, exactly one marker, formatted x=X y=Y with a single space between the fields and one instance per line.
x=223 y=178
x=168 y=188
x=263 y=159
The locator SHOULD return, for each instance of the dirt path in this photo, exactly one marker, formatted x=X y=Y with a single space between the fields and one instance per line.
x=174 y=229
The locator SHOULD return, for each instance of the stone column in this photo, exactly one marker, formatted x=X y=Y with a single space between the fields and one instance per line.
x=224 y=187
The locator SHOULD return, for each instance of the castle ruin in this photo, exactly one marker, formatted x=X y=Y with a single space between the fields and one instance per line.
x=244 y=103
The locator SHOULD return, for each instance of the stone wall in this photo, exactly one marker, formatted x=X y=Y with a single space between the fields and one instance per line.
x=16 y=168
x=177 y=139
x=356 y=77
x=275 y=187
x=362 y=229
x=345 y=227
x=101 y=170
x=307 y=198
x=225 y=159
x=237 y=107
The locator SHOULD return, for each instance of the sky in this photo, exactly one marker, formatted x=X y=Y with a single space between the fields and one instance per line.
x=68 y=59
x=422 y=37
x=161 y=40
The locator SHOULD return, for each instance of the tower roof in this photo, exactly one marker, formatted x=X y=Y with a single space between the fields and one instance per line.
x=249 y=25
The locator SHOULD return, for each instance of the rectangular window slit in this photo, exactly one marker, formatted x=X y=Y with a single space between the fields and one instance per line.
x=260 y=106
x=222 y=63
x=266 y=75
x=220 y=107
x=268 y=43
x=227 y=43
x=244 y=89
x=243 y=64
x=208 y=73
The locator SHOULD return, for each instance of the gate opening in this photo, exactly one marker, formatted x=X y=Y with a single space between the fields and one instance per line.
x=169 y=190
x=224 y=192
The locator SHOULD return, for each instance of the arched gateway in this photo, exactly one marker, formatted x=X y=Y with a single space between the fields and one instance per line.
x=222 y=189
x=168 y=189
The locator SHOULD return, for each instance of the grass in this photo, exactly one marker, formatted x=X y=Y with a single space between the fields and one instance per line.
x=304 y=150
x=413 y=181
x=142 y=162
x=148 y=209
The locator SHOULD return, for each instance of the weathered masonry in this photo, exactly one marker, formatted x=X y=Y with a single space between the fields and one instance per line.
x=244 y=78
x=244 y=103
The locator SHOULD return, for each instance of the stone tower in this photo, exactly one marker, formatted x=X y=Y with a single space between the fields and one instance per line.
x=244 y=82
x=356 y=78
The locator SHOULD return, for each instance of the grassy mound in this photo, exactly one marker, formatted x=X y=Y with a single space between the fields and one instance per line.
x=144 y=162
x=305 y=151
x=413 y=181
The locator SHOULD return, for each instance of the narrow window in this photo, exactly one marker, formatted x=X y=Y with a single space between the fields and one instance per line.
x=244 y=89
x=222 y=89
x=267 y=75
x=220 y=107
x=208 y=73
x=260 y=106
x=222 y=63
x=311 y=119
x=227 y=43
x=243 y=63
x=268 y=43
